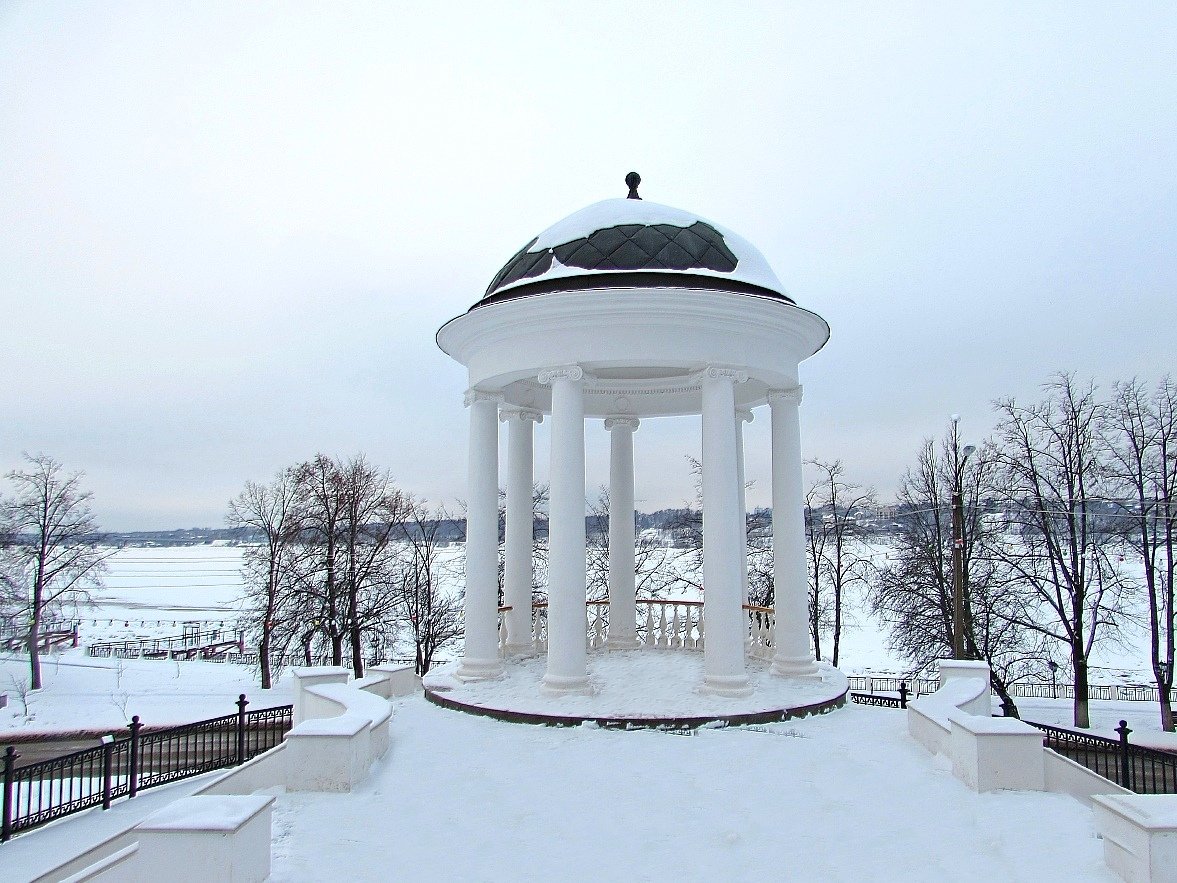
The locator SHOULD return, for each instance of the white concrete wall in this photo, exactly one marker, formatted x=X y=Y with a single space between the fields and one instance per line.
x=331 y=710
x=1139 y=834
x=994 y=753
x=1064 y=776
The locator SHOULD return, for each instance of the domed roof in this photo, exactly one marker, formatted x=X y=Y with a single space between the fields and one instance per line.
x=634 y=243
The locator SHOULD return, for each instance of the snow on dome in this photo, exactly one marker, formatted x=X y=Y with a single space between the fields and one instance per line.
x=651 y=244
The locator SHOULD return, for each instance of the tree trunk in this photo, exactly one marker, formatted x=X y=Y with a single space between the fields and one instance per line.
x=263 y=653
x=837 y=626
x=357 y=653
x=1082 y=713
x=34 y=650
x=1008 y=707
x=35 y=622
x=306 y=647
x=1165 y=693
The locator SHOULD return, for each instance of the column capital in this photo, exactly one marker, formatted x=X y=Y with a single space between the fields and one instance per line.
x=622 y=421
x=722 y=372
x=745 y=416
x=480 y=395
x=561 y=372
x=518 y=412
x=785 y=396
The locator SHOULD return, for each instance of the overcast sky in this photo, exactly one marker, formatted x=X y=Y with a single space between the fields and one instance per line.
x=228 y=232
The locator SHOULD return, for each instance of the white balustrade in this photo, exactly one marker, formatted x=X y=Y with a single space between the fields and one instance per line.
x=662 y=624
x=761 y=631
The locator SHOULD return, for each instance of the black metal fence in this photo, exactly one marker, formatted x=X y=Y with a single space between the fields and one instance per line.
x=1018 y=690
x=1139 y=769
x=42 y=792
x=882 y=700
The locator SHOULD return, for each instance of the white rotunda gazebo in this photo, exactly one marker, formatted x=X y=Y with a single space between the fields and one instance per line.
x=624 y=311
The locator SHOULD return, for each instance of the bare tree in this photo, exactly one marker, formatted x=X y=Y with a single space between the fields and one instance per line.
x=687 y=528
x=418 y=579
x=835 y=553
x=1054 y=481
x=912 y=593
x=373 y=510
x=54 y=552
x=654 y=563
x=348 y=514
x=1141 y=440
x=319 y=602
x=271 y=510
x=761 y=584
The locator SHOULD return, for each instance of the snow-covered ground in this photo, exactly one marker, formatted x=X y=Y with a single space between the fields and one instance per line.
x=844 y=796
x=81 y=693
x=154 y=591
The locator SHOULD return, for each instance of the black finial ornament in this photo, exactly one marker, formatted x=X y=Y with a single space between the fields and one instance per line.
x=632 y=180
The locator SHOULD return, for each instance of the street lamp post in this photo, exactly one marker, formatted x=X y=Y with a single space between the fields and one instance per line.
x=958 y=625
x=1053 y=666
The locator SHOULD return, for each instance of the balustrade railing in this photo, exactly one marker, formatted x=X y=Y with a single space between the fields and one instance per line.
x=668 y=624
x=208 y=644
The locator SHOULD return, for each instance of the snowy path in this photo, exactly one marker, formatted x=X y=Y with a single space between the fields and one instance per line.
x=847 y=796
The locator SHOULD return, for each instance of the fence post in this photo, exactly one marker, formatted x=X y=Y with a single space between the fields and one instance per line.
x=1125 y=758
x=241 y=703
x=133 y=773
x=107 y=763
x=903 y=694
x=10 y=757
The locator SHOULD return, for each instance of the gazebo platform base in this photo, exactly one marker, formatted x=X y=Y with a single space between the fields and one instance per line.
x=637 y=689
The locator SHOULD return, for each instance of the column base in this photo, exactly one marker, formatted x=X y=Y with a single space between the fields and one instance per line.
x=479 y=669
x=735 y=686
x=622 y=643
x=560 y=685
x=795 y=667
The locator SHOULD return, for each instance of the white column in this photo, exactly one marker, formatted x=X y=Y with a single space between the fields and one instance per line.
x=794 y=656
x=567 y=670
x=623 y=630
x=723 y=648
x=480 y=657
x=518 y=538
x=743 y=417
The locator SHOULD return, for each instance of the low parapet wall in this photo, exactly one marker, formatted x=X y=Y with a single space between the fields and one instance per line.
x=988 y=754
x=341 y=730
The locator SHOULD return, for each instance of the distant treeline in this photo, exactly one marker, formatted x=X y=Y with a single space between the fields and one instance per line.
x=878 y=520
